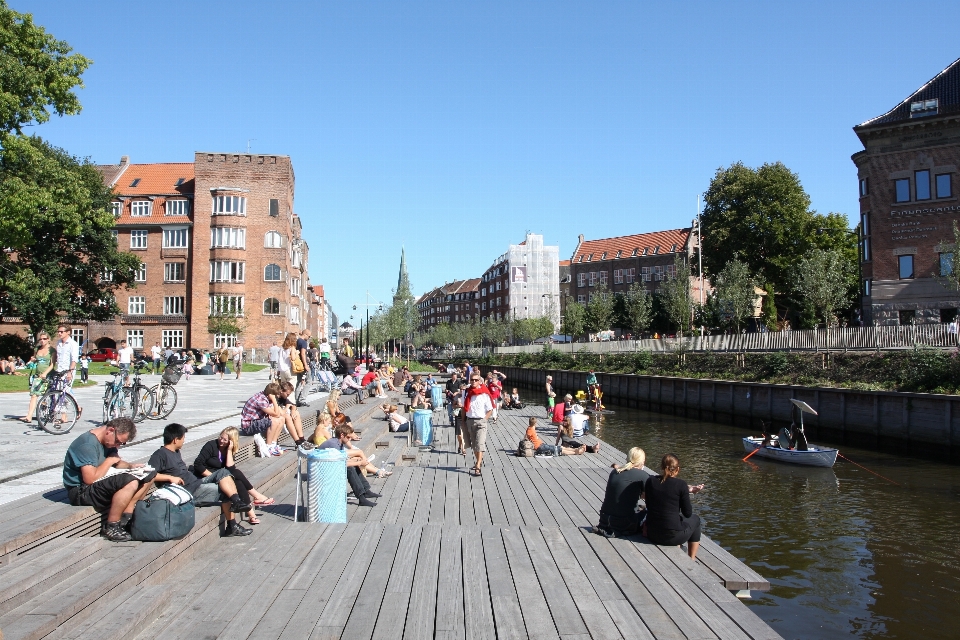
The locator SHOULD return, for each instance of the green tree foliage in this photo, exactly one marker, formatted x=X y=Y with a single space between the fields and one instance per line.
x=55 y=217
x=948 y=276
x=674 y=295
x=574 y=320
x=736 y=291
x=37 y=73
x=762 y=216
x=495 y=332
x=599 y=310
x=820 y=278
x=637 y=309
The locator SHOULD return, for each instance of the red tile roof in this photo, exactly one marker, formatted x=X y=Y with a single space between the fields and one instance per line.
x=657 y=242
x=156 y=179
x=564 y=263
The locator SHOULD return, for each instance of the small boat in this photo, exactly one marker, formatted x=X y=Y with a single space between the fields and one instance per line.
x=792 y=446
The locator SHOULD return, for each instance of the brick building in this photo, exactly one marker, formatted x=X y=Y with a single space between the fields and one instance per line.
x=453 y=302
x=618 y=263
x=217 y=236
x=907 y=175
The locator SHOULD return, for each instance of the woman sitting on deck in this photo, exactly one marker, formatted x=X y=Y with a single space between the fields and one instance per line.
x=541 y=448
x=398 y=422
x=218 y=454
x=419 y=400
x=670 y=517
x=324 y=430
x=565 y=437
x=621 y=512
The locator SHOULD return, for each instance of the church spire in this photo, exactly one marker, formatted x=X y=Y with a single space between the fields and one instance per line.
x=403 y=282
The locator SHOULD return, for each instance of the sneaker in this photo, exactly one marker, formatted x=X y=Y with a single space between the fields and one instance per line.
x=382 y=396
x=235 y=529
x=307 y=446
x=263 y=451
x=275 y=450
x=113 y=532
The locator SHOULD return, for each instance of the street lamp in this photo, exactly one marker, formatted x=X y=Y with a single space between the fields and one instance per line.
x=379 y=306
x=858 y=233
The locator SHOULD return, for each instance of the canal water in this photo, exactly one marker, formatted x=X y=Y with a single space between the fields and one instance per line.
x=847 y=554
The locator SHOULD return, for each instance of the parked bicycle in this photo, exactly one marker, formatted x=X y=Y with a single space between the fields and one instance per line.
x=57 y=410
x=164 y=395
x=135 y=402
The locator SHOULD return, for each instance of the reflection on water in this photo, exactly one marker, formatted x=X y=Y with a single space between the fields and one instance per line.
x=847 y=553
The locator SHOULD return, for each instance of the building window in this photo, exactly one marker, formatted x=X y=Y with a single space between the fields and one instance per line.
x=141 y=273
x=658 y=272
x=618 y=276
x=224 y=340
x=273 y=240
x=174 y=272
x=77 y=335
x=944 y=188
x=645 y=274
x=116 y=235
x=135 y=338
x=140 y=208
x=906 y=267
x=863 y=187
x=106 y=276
x=226 y=271
x=174 y=305
x=229 y=206
x=228 y=238
x=175 y=238
x=922 y=108
x=173 y=338
x=295 y=314
x=274 y=207
x=136 y=305
x=603 y=277
x=226 y=305
x=117 y=209
x=903 y=190
x=866 y=287
x=865 y=235
x=630 y=274
x=593 y=278
x=946 y=264
x=483 y=307
x=271 y=307
x=923 y=184
x=295 y=286
x=581 y=299
x=670 y=271
x=138 y=239
x=271 y=273
x=581 y=279
x=177 y=207
x=907 y=317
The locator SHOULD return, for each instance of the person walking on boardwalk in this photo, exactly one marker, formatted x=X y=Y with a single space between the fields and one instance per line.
x=238 y=359
x=42 y=363
x=478 y=407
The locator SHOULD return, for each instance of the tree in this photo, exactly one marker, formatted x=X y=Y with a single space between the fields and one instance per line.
x=55 y=219
x=637 y=308
x=574 y=320
x=762 y=217
x=821 y=278
x=770 y=307
x=495 y=331
x=599 y=310
x=736 y=290
x=949 y=277
x=674 y=294
x=37 y=73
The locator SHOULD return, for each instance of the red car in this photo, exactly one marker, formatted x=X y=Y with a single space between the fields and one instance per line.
x=102 y=355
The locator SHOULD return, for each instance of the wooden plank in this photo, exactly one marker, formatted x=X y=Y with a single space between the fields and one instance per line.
x=34 y=574
x=421 y=612
x=393 y=611
x=439 y=497
x=535 y=513
x=120 y=618
x=750 y=578
x=421 y=515
x=451 y=504
x=450 y=606
x=507 y=615
x=494 y=501
x=540 y=483
x=386 y=510
x=363 y=616
x=534 y=592
x=504 y=494
x=481 y=510
x=410 y=498
x=465 y=499
x=478 y=618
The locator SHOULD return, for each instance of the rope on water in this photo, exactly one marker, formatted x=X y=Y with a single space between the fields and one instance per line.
x=865 y=469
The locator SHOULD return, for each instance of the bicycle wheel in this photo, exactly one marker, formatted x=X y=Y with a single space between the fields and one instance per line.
x=119 y=406
x=166 y=397
x=57 y=412
x=141 y=402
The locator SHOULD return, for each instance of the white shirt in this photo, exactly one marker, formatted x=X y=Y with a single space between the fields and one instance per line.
x=324 y=347
x=238 y=353
x=68 y=353
x=275 y=353
x=577 y=421
x=480 y=406
x=155 y=351
x=283 y=364
x=125 y=355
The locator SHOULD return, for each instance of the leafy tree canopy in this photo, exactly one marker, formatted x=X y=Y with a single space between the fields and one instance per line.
x=637 y=309
x=599 y=310
x=736 y=291
x=821 y=279
x=38 y=74
x=574 y=320
x=674 y=295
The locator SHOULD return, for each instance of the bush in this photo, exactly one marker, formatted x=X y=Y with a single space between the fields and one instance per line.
x=15 y=344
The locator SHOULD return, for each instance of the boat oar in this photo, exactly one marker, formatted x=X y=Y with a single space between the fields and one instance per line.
x=840 y=455
x=753 y=452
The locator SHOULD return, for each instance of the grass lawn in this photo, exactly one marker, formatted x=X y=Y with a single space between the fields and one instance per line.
x=9 y=384
x=250 y=367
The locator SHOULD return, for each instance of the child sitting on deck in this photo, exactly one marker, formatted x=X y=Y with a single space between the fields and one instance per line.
x=541 y=448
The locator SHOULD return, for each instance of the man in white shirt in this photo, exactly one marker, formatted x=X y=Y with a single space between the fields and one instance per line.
x=479 y=407
x=578 y=420
x=68 y=356
x=274 y=359
x=124 y=359
x=238 y=358
x=157 y=354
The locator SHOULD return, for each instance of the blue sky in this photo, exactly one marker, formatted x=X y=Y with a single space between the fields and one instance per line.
x=451 y=128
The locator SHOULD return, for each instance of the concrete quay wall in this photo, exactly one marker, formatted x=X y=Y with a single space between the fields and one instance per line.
x=922 y=424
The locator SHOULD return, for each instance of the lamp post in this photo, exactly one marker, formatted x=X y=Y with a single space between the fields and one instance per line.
x=858 y=233
x=379 y=306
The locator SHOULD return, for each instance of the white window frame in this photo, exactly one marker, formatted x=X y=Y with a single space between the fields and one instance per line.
x=670 y=271
x=226 y=271
x=228 y=340
x=645 y=274
x=263 y=307
x=658 y=272
x=229 y=206
x=106 y=275
x=581 y=279
x=603 y=277
x=135 y=338
x=136 y=305
x=172 y=338
x=618 y=276
x=228 y=238
x=176 y=237
x=177 y=207
x=279 y=277
x=77 y=335
x=294 y=314
x=170 y=271
x=273 y=240
x=141 y=208
x=593 y=278
x=174 y=305
x=629 y=274
x=226 y=305
x=139 y=238
x=116 y=208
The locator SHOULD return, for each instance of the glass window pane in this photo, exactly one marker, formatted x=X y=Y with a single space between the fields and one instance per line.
x=906 y=266
x=923 y=185
x=946 y=264
x=943 y=186
x=903 y=190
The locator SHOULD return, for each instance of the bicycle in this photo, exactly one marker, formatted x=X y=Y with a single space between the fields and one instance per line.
x=135 y=401
x=57 y=410
x=141 y=396
x=165 y=393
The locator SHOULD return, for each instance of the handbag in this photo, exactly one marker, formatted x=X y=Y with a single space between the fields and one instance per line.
x=166 y=514
x=296 y=365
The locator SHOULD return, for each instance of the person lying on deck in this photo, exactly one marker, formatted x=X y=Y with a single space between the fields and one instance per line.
x=670 y=517
x=359 y=484
x=565 y=437
x=214 y=487
x=541 y=448
x=622 y=511
x=218 y=454
x=90 y=479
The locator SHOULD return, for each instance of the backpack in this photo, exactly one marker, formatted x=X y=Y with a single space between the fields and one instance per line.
x=166 y=514
x=525 y=449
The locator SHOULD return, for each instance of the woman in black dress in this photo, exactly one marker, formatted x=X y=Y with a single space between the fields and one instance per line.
x=670 y=517
x=621 y=512
x=217 y=454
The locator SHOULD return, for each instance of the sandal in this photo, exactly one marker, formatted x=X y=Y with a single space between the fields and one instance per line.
x=263 y=503
x=253 y=519
x=475 y=471
x=26 y=420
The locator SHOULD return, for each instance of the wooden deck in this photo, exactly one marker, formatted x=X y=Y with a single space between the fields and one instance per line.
x=444 y=554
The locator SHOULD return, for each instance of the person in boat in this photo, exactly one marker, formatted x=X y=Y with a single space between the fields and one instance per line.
x=670 y=517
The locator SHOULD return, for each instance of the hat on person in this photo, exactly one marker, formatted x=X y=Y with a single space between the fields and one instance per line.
x=577 y=408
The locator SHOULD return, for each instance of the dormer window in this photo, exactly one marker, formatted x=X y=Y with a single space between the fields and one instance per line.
x=590 y=258
x=636 y=252
x=580 y=258
x=179 y=182
x=922 y=108
x=619 y=253
x=656 y=250
x=646 y=250
x=673 y=249
x=603 y=256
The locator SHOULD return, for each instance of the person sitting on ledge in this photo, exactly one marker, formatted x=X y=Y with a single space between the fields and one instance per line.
x=359 y=484
x=622 y=512
x=371 y=382
x=218 y=486
x=262 y=414
x=323 y=432
x=218 y=454
x=565 y=437
x=398 y=422
x=90 y=479
x=670 y=517
x=541 y=448
x=350 y=386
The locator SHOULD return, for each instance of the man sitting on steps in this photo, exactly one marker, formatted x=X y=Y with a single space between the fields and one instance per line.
x=356 y=460
x=263 y=415
x=89 y=460
x=216 y=487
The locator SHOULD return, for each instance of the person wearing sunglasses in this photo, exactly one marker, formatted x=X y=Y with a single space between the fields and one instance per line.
x=478 y=407
x=68 y=356
x=41 y=364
